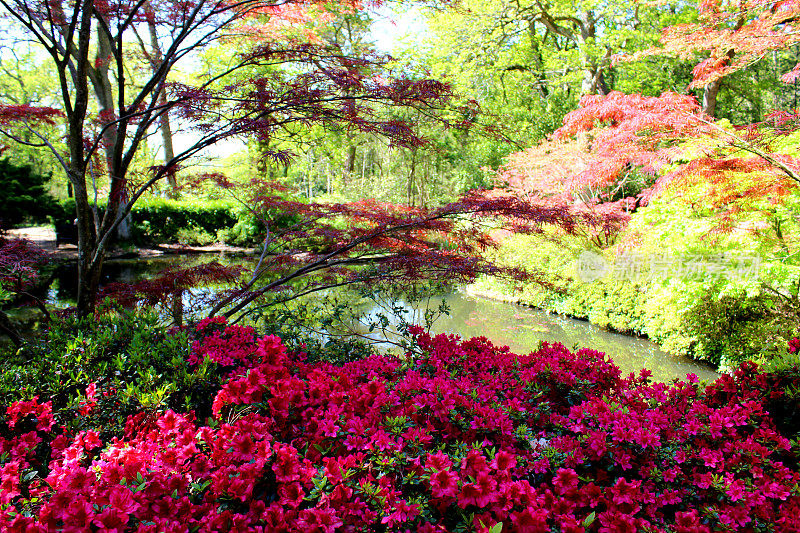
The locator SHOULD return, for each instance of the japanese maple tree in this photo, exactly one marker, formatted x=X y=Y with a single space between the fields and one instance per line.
x=20 y=261
x=609 y=139
x=730 y=36
x=89 y=43
x=364 y=242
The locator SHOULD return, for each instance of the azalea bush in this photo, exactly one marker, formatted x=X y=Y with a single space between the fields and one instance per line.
x=456 y=436
x=126 y=360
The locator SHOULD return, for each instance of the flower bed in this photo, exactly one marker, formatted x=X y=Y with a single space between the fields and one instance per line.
x=468 y=437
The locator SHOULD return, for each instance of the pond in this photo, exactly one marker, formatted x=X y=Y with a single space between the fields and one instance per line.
x=520 y=328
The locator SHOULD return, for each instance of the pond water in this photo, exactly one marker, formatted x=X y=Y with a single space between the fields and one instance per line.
x=506 y=324
x=522 y=328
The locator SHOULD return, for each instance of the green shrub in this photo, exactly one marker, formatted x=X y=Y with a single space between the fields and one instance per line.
x=732 y=329
x=25 y=197
x=615 y=305
x=64 y=212
x=187 y=222
x=721 y=321
x=129 y=353
x=191 y=222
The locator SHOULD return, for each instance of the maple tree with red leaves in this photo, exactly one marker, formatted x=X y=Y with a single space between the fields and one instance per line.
x=611 y=139
x=731 y=36
x=13 y=114
x=20 y=260
x=27 y=117
x=333 y=245
x=88 y=42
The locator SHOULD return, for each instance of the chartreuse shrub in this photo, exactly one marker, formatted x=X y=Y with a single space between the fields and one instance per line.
x=455 y=436
x=724 y=318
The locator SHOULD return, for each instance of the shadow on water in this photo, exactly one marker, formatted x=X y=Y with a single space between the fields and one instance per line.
x=506 y=324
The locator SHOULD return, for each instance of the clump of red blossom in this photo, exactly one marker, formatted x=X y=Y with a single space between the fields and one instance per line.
x=794 y=345
x=466 y=437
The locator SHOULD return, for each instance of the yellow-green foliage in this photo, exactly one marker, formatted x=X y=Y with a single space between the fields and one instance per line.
x=723 y=318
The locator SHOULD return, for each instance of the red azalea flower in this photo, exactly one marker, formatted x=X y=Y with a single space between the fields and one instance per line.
x=444 y=484
x=111 y=520
x=794 y=345
x=291 y=495
x=530 y=520
x=504 y=461
x=565 y=480
x=689 y=522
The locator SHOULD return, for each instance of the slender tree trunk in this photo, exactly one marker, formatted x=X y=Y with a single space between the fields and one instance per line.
x=164 y=124
x=176 y=308
x=350 y=164
x=422 y=186
x=412 y=178
x=538 y=61
x=169 y=151
x=327 y=177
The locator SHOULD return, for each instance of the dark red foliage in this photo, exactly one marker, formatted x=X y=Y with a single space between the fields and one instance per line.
x=338 y=91
x=171 y=284
x=10 y=114
x=309 y=247
x=20 y=261
x=318 y=244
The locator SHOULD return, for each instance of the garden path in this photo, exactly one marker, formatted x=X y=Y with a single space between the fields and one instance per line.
x=45 y=237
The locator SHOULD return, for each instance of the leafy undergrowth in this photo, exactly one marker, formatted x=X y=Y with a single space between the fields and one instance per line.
x=467 y=437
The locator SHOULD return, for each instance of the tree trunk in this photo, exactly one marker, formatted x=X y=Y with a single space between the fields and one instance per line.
x=710 y=92
x=593 y=81
x=538 y=62
x=169 y=151
x=176 y=308
x=412 y=178
x=262 y=162
x=88 y=268
x=164 y=124
x=350 y=164
x=118 y=193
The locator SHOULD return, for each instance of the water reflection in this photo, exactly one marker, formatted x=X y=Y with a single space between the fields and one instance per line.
x=522 y=328
x=64 y=289
x=519 y=328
